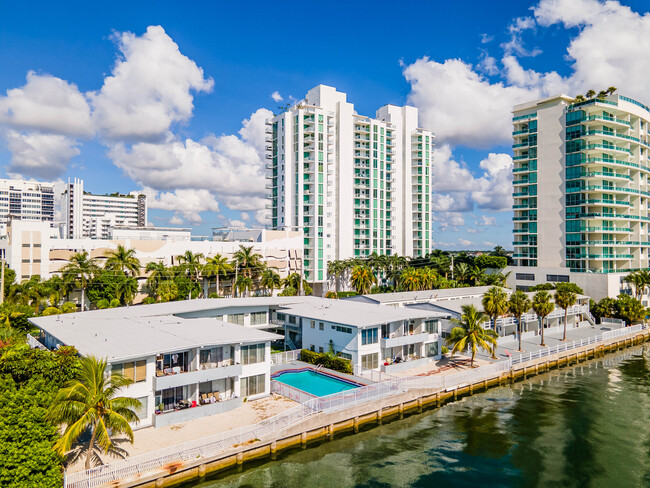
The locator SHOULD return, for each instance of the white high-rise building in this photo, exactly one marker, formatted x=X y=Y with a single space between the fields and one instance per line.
x=93 y=216
x=354 y=184
x=25 y=200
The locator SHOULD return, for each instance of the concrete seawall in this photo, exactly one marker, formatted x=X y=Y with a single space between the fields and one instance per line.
x=325 y=426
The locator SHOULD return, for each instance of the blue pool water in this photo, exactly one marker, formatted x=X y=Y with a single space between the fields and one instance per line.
x=315 y=383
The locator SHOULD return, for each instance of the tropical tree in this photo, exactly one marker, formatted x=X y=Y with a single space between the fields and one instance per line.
x=477 y=275
x=629 y=309
x=469 y=332
x=590 y=94
x=123 y=260
x=363 y=279
x=270 y=280
x=79 y=271
x=244 y=284
x=611 y=90
x=167 y=291
x=518 y=305
x=190 y=265
x=462 y=272
x=640 y=280
x=217 y=266
x=247 y=260
x=543 y=307
x=335 y=269
x=410 y=279
x=158 y=273
x=90 y=403
x=495 y=304
x=565 y=298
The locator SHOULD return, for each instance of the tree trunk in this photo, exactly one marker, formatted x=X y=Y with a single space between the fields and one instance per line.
x=566 y=317
x=494 y=348
x=91 y=445
x=542 y=332
x=519 y=330
x=83 y=298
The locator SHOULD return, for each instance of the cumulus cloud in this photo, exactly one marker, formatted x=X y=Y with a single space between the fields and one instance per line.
x=150 y=88
x=486 y=221
x=39 y=155
x=465 y=242
x=188 y=203
x=48 y=104
x=276 y=96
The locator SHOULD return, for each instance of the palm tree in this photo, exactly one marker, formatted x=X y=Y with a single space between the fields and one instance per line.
x=543 y=307
x=590 y=94
x=462 y=272
x=247 y=260
x=90 y=402
x=362 y=279
x=335 y=269
x=410 y=279
x=270 y=280
x=580 y=98
x=495 y=304
x=191 y=266
x=158 y=273
x=565 y=299
x=79 y=271
x=611 y=90
x=476 y=274
x=640 y=280
x=217 y=266
x=602 y=94
x=126 y=290
x=167 y=291
x=469 y=331
x=124 y=260
x=429 y=278
x=244 y=283
x=518 y=305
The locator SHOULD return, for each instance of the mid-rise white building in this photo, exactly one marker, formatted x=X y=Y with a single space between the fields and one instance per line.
x=25 y=200
x=92 y=216
x=581 y=192
x=354 y=184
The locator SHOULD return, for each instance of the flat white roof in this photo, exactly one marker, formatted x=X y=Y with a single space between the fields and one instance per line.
x=423 y=295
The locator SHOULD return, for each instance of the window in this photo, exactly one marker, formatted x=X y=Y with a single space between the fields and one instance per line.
x=344 y=355
x=253 y=385
x=557 y=278
x=141 y=411
x=236 y=318
x=338 y=328
x=369 y=336
x=320 y=350
x=211 y=355
x=525 y=276
x=370 y=361
x=254 y=353
x=431 y=349
x=321 y=326
x=313 y=324
x=132 y=370
x=258 y=318
x=431 y=326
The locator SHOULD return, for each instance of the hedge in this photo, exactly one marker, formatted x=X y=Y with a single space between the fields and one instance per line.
x=326 y=360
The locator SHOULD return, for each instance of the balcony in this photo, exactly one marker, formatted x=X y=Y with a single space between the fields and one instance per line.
x=177 y=416
x=404 y=340
x=198 y=376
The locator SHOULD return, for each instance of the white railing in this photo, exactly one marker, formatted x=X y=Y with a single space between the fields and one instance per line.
x=566 y=346
x=214 y=445
x=33 y=343
x=285 y=357
x=290 y=392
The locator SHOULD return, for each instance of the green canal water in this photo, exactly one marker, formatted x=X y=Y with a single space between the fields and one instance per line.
x=585 y=426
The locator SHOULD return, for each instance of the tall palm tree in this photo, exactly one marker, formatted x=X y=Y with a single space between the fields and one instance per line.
x=191 y=266
x=335 y=269
x=158 y=273
x=126 y=290
x=410 y=279
x=462 y=272
x=477 y=275
x=270 y=280
x=469 y=331
x=590 y=94
x=363 y=279
x=244 y=284
x=565 y=299
x=518 y=305
x=247 y=260
x=543 y=307
x=429 y=278
x=79 y=271
x=495 y=304
x=611 y=90
x=124 y=260
x=167 y=291
x=90 y=402
x=217 y=266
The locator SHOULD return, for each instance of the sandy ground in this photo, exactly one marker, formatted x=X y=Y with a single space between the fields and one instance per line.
x=151 y=439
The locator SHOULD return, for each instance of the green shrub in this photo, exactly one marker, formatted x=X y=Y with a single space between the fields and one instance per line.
x=115 y=302
x=69 y=307
x=327 y=360
x=289 y=291
x=103 y=303
x=149 y=301
x=445 y=350
x=214 y=295
x=343 y=294
x=51 y=311
x=331 y=294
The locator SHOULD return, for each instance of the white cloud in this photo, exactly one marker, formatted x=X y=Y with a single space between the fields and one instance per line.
x=186 y=202
x=253 y=129
x=39 y=155
x=236 y=223
x=48 y=104
x=489 y=244
x=276 y=96
x=149 y=89
x=486 y=221
x=465 y=242
x=176 y=220
x=244 y=216
x=486 y=39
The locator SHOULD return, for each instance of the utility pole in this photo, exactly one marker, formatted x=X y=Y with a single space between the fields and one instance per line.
x=234 y=285
x=301 y=275
x=452 y=267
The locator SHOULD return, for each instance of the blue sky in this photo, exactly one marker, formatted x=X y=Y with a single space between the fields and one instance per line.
x=179 y=109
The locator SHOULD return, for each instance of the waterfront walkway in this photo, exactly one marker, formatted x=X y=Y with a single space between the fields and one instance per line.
x=551 y=339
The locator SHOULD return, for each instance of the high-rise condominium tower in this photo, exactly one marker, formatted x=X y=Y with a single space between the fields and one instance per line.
x=89 y=215
x=354 y=184
x=25 y=200
x=581 y=191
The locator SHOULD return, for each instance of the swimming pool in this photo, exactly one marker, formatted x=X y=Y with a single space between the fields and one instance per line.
x=313 y=382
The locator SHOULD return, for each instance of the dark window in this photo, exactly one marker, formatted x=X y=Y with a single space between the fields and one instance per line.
x=557 y=278
x=525 y=276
